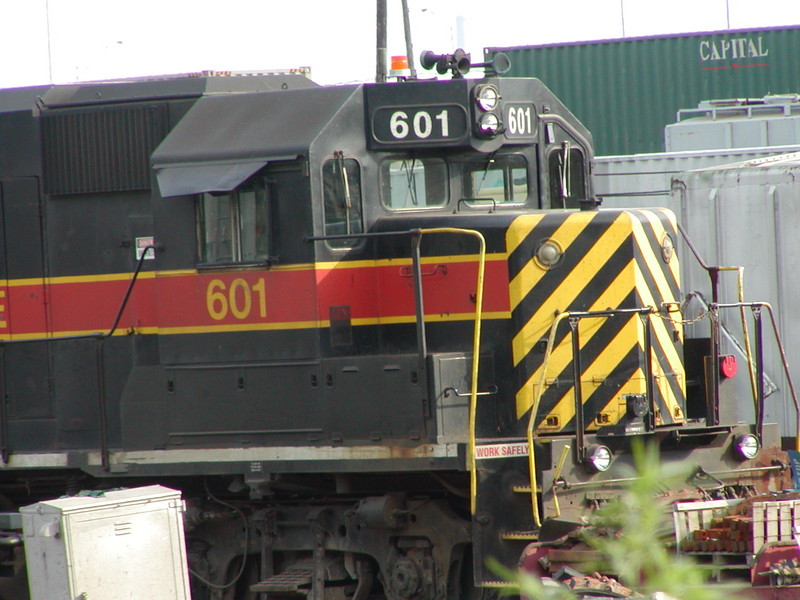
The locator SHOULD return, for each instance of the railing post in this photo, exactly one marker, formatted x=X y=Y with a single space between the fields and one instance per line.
x=650 y=424
x=5 y=447
x=416 y=268
x=576 y=386
x=101 y=403
x=759 y=373
x=712 y=402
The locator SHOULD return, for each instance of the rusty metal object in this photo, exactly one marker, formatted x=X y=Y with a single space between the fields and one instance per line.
x=598 y=584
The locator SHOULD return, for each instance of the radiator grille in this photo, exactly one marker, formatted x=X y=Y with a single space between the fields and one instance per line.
x=100 y=149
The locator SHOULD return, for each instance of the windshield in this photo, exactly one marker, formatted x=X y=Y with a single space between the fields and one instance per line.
x=414 y=182
x=501 y=178
x=410 y=183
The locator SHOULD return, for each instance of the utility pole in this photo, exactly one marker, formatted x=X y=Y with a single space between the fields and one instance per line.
x=380 y=71
x=49 y=50
x=409 y=45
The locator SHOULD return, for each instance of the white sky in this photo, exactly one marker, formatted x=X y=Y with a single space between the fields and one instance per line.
x=103 y=39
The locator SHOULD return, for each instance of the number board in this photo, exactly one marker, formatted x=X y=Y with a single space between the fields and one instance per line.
x=519 y=119
x=417 y=114
x=419 y=125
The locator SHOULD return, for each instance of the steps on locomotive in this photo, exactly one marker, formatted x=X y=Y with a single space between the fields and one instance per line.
x=297 y=581
x=503 y=522
x=530 y=535
x=292 y=583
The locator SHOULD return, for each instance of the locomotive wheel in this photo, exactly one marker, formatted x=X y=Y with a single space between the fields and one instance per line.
x=241 y=589
x=460 y=585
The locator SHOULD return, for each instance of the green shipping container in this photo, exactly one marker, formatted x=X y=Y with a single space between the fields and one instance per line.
x=625 y=91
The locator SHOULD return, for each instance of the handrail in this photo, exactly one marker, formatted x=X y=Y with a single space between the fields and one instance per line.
x=756 y=380
x=537 y=520
x=531 y=429
x=99 y=334
x=713 y=275
x=557 y=475
x=648 y=311
x=476 y=341
x=787 y=373
x=476 y=348
x=5 y=450
x=571 y=485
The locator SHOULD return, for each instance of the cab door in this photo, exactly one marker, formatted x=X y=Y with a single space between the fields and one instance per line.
x=236 y=304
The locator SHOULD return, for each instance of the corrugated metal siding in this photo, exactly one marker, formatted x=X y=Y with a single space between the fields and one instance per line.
x=746 y=214
x=626 y=91
x=639 y=180
x=102 y=149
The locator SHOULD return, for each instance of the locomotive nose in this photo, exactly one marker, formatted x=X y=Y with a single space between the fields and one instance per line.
x=595 y=266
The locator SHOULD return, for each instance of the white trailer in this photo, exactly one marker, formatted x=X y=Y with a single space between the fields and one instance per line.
x=746 y=214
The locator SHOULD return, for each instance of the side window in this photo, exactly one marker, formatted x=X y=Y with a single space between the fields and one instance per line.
x=411 y=183
x=234 y=227
x=341 y=195
x=502 y=178
x=567 y=181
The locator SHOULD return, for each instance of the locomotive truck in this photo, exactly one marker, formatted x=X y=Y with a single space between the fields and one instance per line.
x=375 y=334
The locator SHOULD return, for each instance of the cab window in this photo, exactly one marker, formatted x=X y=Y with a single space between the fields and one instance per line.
x=567 y=179
x=234 y=227
x=500 y=178
x=341 y=182
x=414 y=183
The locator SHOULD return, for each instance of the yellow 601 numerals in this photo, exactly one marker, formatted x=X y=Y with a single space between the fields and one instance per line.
x=238 y=299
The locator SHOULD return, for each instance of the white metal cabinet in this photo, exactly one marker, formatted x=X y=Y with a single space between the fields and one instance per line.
x=122 y=545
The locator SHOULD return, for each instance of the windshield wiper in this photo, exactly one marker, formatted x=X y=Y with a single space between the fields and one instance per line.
x=411 y=180
x=489 y=163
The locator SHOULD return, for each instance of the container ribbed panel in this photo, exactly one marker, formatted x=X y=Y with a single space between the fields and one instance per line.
x=626 y=91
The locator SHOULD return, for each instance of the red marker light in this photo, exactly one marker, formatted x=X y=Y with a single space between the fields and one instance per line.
x=728 y=366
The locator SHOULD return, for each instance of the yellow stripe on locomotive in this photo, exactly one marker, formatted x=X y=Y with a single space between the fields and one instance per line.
x=586 y=262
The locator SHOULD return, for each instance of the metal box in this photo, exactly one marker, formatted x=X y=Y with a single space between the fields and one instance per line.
x=119 y=545
x=773 y=120
x=638 y=180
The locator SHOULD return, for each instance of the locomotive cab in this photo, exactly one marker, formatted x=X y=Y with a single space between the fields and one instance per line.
x=254 y=186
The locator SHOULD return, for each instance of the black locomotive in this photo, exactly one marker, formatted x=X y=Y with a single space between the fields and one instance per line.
x=338 y=319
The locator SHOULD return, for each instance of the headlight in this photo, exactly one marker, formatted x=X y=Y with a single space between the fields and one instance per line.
x=598 y=458
x=487 y=97
x=667 y=248
x=549 y=254
x=746 y=446
x=489 y=124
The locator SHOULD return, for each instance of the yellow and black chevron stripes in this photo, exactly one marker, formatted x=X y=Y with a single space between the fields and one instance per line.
x=658 y=282
x=611 y=260
x=561 y=291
